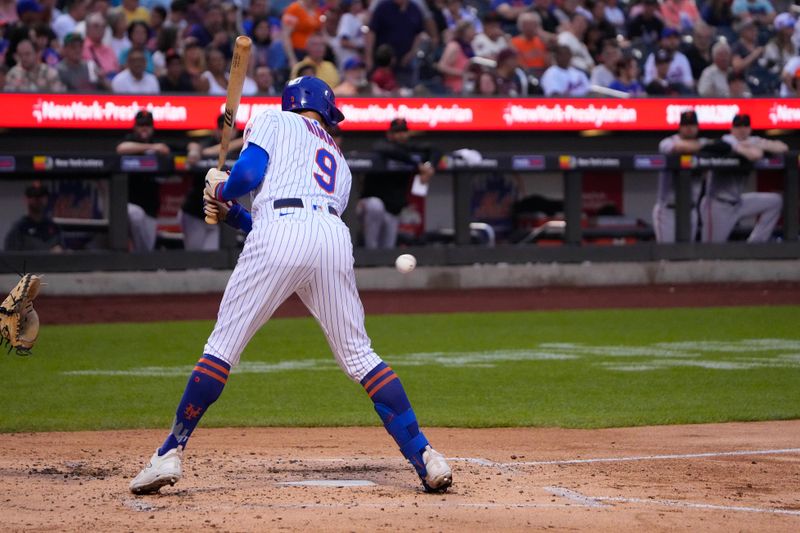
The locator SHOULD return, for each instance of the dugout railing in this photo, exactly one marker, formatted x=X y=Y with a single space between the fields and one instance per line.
x=118 y=170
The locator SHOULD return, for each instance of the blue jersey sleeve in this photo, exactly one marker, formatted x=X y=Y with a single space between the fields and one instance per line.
x=238 y=217
x=247 y=173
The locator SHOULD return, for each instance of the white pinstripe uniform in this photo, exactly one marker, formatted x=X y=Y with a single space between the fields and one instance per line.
x=292 y=249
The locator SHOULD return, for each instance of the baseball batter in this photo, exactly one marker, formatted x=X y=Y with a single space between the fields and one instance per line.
x=725 y=203
x=299 y=183
x=686 y=141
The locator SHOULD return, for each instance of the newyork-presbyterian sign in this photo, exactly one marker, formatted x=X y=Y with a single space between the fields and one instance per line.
x=446 y=114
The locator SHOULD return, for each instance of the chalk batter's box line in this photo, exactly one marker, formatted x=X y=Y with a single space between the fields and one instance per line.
x=487 y=462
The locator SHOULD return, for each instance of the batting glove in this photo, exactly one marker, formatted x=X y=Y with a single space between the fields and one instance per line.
x=215 y=180
x=215 y=209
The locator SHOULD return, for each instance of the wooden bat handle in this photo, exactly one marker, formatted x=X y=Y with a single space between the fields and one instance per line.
x=241 y=58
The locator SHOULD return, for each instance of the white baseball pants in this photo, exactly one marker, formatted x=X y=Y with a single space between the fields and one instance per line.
x=379 y=226
x=719 y=218
x=300 y=250
x=664 y=223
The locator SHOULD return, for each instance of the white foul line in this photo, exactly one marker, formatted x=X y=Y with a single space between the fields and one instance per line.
x=487 y=462
x=691 y=505
x=588 y=501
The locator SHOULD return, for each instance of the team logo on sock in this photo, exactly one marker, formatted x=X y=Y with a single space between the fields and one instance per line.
x=191 y=412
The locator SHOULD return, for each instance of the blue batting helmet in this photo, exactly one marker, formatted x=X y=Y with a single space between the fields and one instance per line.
x=311 y=94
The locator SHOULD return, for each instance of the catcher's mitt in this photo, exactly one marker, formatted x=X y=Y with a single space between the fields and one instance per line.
x=19 y=323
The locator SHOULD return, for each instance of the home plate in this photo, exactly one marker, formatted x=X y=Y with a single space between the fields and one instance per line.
x=328 y=483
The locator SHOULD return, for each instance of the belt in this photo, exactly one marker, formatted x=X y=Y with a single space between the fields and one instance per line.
x=297 y=202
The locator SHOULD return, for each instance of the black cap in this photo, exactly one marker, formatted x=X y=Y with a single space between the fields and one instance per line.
x=741 y=120
x=37 y=190
x=143 y=118
x=689 y=118
x=398 y=124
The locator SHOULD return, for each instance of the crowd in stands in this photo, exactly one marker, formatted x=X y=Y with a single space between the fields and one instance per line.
x=714 y=48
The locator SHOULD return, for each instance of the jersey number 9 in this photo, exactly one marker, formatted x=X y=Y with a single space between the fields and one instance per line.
x=327 y=166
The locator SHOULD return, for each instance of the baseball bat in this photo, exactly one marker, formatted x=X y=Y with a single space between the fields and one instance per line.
x=241 y=58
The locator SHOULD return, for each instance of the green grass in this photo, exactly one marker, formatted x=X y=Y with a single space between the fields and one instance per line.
x=486 y=387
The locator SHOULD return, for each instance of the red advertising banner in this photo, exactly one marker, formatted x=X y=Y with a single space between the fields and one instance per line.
x=447 y=114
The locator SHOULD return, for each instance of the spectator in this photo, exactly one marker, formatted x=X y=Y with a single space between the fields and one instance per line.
x=385 y=193
x=761 y=11
x=167 y=40
x=455 y=11
x=330 y=27
x=355 y=81
x=138 y=33
x=262 y=40
x=456 y=56
x=35 y=231
x=795 y=84
x=258 y=10
x=572 y=38
x=780 y=48
x=550 y=22
x=158 y=17
x=74 y=12
x=679 y=69
x=176 y=16
x=400 y=24
x=383 y=76
x=725 y=202
x=486 y=84
x=603 y=73
x=119 y=41
x=509 y=11
x=562 y=79
x=300 y=20
x=175 y=78
x=44 y=38
x=680 y=15
x=351 y=38
x=3 y=74
x=135 y=79
x=265 y=82
x=49 y=11
x=717 y=13
x=615 y=16
x=737 y=84
x=197 y=235
x=30 y=74
x=646 y=27
x=143 y=195
x=29 y=13
x=325 y=70
x=493 y=39
x=230 y=20
x=746 y=51
x=698 y=52
x=627 y=77
x=194 y=61
x=599 y=28
x=209 y=31
x=217 y=74
x=714 y=80
x=134 y=12
x=8 y=12
x=660 y=84
x=686 y=141
x=94 y=49
x=75 y=73
x=531 y=48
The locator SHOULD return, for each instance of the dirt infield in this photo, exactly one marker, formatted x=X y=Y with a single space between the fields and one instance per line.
x=726 y=477
x=72 y=310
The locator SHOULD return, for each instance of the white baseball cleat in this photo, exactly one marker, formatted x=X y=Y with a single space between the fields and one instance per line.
x=438 y=474
x=161 y=470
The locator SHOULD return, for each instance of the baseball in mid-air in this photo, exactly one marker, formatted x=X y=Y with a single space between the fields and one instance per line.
x=405 y=263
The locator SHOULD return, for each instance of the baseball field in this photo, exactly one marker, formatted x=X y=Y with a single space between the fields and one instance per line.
x=620 y=415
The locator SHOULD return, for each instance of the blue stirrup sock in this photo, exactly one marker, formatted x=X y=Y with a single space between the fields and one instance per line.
x=205 y=385
x=392 y=405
